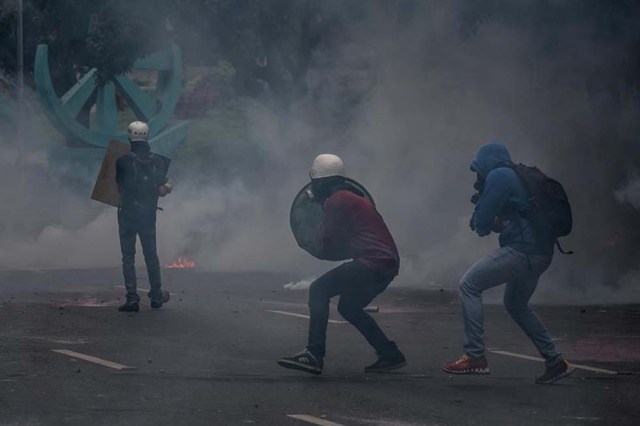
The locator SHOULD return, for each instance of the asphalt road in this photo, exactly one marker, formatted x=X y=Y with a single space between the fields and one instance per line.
x=209 y=358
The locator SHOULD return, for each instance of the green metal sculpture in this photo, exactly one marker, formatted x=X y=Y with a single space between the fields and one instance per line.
x=156 y=107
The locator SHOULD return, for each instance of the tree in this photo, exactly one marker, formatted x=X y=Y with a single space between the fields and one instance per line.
x=108 y=35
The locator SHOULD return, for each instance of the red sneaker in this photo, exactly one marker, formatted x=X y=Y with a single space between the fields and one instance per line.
x=466 y=365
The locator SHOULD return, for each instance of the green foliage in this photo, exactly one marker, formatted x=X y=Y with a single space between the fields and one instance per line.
x=107 y=34
x=267 y=41
x=270 y=43
x=209 y=88
x=115 y=39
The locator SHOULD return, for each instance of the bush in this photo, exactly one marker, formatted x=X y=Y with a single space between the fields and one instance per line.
x=207 y=92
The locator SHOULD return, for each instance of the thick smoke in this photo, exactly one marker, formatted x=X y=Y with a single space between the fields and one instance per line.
x=406 y=102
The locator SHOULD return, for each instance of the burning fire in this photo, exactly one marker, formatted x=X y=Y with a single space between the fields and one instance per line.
x=182 y=263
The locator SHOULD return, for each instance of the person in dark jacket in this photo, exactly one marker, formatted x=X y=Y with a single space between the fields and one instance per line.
x=141 y=179
x=353 y=229
x=523 y=256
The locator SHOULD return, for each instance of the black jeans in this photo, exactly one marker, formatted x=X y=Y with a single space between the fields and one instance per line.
x=142 y=224
x=357 y=286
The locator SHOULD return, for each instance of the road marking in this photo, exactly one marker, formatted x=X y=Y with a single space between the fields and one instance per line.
x=587 y=419
x=278 y=302
x=291 y=314
x=93 y=359
x=533 y=358
x=313 y=420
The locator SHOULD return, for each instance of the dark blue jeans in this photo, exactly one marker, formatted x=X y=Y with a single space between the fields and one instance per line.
x=357 y=286
x=132 y=225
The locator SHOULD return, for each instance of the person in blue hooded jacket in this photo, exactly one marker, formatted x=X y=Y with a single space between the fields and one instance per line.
x=501 y=206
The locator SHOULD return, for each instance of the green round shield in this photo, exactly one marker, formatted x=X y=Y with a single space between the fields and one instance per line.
x=306 y=216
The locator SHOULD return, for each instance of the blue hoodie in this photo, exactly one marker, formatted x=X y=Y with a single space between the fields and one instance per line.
x=504 y=195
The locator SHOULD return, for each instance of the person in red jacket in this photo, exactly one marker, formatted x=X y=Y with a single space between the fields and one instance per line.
x=353 y=229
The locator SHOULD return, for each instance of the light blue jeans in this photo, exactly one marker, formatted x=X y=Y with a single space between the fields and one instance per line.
x=505 y=265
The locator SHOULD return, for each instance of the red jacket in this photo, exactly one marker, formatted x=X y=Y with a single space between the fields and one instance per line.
x=352 y=228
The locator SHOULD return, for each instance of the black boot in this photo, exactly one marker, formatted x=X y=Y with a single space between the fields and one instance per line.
x=157 y=300
x=387 y=362
x=131 y=305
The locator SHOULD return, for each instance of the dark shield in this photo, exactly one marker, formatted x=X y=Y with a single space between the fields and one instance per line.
x=306 y=216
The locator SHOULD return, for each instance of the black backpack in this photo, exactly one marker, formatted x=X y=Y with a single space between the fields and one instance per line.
x=145 y=178
x=549 y=209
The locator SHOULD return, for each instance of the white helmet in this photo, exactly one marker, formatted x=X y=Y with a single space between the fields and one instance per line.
x=138 y=131
x=326 y=165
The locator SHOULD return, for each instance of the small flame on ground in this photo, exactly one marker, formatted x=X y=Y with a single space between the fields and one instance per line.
x=182 y=263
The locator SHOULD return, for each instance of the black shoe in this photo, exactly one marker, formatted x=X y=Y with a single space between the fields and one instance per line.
x=129 y=306
x=157 y=302
x=555 y=373
x=389 y=362
x=303 y=361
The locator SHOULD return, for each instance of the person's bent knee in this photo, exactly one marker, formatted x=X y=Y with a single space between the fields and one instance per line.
x=317 y=290
x=515 y=311
x=466 y=287
x=349 y=311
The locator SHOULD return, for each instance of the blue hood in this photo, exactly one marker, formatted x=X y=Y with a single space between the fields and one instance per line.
x=489 y=157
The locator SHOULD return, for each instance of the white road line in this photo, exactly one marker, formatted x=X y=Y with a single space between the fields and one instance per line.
x=93 y=359
x=587 y=419
x=291 y=314
x=313 y=420
x=533 y=358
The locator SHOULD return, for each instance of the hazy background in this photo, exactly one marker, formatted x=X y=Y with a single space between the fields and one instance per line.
x=405 y=92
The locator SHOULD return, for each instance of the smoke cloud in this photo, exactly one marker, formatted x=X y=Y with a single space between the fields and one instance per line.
x=406 y=101
x=630 y=191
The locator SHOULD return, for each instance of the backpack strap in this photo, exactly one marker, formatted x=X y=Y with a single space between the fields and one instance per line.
x=135 y=167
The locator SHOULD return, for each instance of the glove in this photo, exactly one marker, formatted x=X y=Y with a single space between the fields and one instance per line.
x=499 y=224
x=472 y=224
x=165 y=189
x=478 y=185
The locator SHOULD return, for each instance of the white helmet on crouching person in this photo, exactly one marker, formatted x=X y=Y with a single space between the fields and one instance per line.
x=327 y=173
x=138 y=132
x=326 y=165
